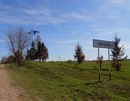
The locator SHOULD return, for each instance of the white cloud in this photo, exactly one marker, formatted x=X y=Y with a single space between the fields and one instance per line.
x=3 y=40
x=118 y=2
x=38 y=15
x=29 y=15
x=76 y=16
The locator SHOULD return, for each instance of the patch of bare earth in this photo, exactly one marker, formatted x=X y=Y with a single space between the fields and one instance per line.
x=8 y=89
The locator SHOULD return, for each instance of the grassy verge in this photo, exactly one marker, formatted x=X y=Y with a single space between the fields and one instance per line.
x=55 y=81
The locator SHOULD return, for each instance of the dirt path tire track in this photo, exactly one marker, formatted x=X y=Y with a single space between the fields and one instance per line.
x=8 y=90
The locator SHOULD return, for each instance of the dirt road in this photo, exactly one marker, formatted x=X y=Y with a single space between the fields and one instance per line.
x=8 y=89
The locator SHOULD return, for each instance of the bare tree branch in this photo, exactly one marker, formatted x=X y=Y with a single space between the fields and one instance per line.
x=18 y=40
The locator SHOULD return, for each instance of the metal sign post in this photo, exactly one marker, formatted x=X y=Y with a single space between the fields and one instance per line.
x=103 y=44
x=110 y=67
x=99 y=72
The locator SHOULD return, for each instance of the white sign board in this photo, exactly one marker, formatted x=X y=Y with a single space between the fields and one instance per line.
x=103 y=44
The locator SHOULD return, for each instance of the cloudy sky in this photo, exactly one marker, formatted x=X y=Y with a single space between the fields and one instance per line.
x=64 y=23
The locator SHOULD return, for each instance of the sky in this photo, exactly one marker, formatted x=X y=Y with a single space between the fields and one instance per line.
x=65 y=23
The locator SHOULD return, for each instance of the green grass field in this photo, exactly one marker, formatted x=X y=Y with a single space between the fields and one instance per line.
x=62 y=81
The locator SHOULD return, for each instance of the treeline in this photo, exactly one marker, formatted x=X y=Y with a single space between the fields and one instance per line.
x=37 y=51
x=22 y=48
x=19 y=46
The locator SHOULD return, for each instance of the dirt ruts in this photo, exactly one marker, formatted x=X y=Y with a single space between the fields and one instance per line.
x=8 y=89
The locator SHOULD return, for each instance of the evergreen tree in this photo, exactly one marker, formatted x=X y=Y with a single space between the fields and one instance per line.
x=38 y=50
x=42 y=51
x=32 y=53
x=79 y=56
x=45 y=52
x=118 y=54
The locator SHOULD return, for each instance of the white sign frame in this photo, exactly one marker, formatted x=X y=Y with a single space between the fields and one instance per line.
x=103 y=44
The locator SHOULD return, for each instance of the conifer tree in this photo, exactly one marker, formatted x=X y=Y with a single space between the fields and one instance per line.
x=38 y=51
x=42 y=51
x=79 y=55
x=32 y=53
x=118 y=54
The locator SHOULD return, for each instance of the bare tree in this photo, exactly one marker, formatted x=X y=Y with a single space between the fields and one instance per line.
x=18 y=42
x=22 y=39
x=11 y=39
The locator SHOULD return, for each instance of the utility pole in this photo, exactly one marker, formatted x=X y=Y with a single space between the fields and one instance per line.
x=33 y=34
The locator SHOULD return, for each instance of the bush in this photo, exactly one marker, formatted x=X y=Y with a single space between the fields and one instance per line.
x=9 y=59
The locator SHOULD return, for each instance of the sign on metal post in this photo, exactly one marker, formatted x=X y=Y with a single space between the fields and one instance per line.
x=104 y=44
